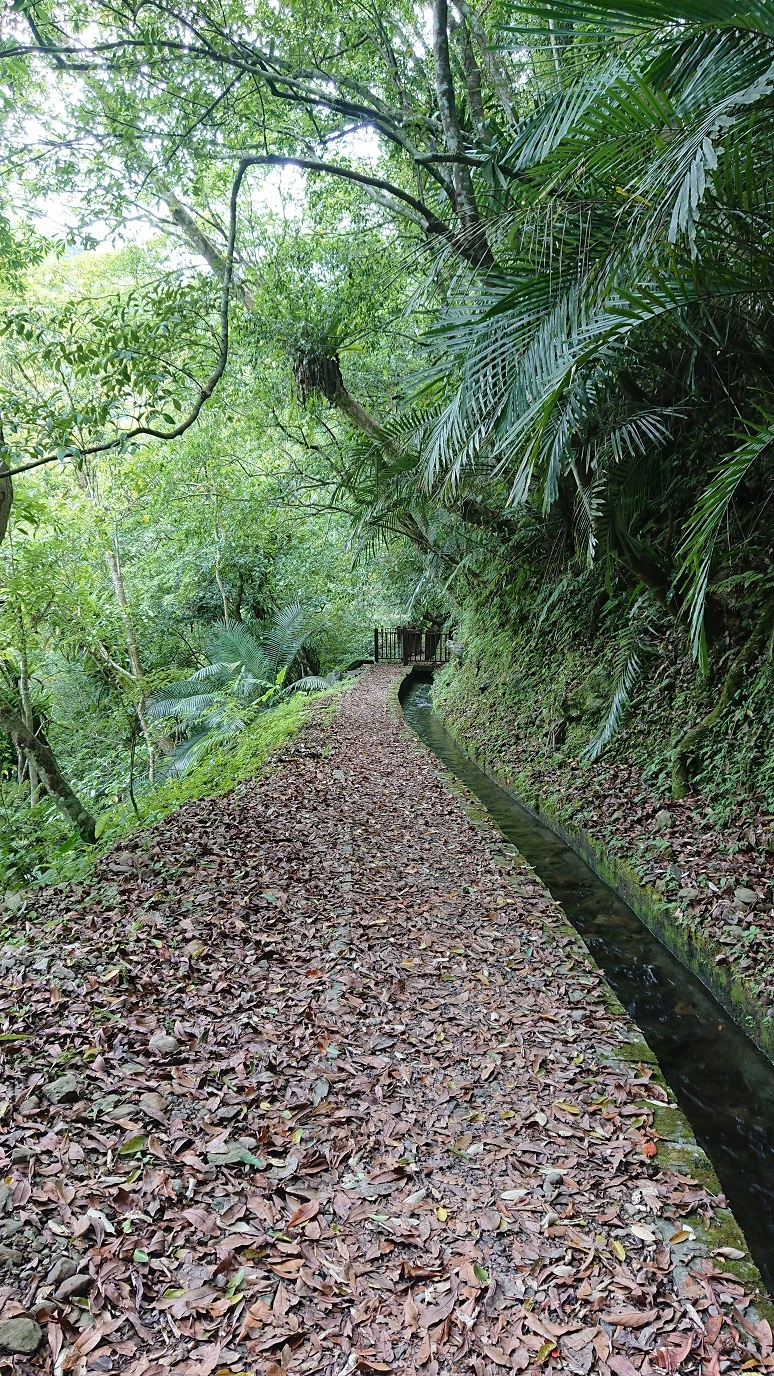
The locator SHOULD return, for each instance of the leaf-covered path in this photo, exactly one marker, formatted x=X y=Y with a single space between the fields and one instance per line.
x=315 y=1079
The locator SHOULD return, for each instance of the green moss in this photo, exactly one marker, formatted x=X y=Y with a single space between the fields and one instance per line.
x=678 y=1150
x=70 y=860
x=529 y=695
x=537 y=677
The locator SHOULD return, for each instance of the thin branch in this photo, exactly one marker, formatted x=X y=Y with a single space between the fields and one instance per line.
x=433 y=224
x=206 y=391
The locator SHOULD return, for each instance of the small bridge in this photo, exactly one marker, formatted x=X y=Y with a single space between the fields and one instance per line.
x=410 y=645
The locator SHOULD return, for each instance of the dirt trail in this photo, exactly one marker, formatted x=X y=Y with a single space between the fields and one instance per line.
x=312 y=1082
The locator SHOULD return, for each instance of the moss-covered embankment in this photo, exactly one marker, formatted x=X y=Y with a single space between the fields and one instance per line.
x=699 y=871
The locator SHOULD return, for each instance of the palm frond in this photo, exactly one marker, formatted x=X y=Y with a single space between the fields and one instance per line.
x=635 y=646
x=705 y=524
x=238 y=652
x=291 y=628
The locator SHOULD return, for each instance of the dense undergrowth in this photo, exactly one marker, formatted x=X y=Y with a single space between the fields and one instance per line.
x=530 y=696
x=40 y=847
x=537 y=679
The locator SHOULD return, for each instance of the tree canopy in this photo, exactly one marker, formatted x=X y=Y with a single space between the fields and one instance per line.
x=381 y=311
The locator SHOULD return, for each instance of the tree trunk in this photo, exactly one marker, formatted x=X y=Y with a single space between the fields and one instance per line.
x=364 y=421
x=472 y=230
x=117 y=579
x=222 y=591
x=472 y=78
x=37 y=751
x=201 y=242
x=496 y=75
x=113 y=561
x=29 y=719
x=6 y=494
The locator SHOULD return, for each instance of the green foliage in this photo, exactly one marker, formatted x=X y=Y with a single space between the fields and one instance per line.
x=547 y=697
x=79 y=373
x=36 y=847
x=553 y=432
x=246 y=673
x=631 y=313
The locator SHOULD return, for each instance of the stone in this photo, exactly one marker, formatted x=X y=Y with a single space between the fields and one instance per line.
x=20 y=1335
x=162 y=1045
x=14 y=900
x=47 y=1308
x=61 y=1270
x=745 y=898
x=120 y=1111
x=689 y=894
x=153 y=1102
x=662 y=820
x=62 y=1091
x=11 y=1227
x=73 y=1287
x=10 y=1256
x=19 y=1155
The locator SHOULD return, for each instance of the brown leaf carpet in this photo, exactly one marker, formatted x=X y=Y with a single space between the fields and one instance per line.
x=310 y=1083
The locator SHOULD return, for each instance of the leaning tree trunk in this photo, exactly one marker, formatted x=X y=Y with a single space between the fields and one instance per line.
x=39 y=753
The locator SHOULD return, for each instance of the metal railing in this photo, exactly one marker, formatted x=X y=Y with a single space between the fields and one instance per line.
x=410 y=645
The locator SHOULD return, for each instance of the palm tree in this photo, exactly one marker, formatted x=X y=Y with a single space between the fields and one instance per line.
x=631 y=319
x=247 y=671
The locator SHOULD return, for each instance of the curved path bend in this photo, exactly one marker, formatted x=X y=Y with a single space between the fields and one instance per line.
x=316 y=1079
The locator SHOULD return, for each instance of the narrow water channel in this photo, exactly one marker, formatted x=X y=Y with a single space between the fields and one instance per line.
x=723 y=1084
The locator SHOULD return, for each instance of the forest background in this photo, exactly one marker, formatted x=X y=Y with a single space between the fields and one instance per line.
x=316 y=320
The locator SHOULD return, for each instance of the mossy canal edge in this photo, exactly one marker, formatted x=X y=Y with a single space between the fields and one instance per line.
x=678 y=1149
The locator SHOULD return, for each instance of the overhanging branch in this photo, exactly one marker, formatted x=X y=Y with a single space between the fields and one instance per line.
x=205 y=391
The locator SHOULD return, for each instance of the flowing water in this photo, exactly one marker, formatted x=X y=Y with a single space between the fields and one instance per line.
x=723 y=1084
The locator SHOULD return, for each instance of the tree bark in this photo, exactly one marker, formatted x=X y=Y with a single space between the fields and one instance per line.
x=29 y=719
x=363 y=421
x=6 y=495
x=495 y=72
x=133 y=654
x=201 y=242
x=472 y=78
x=37 y=751
x=470 y=221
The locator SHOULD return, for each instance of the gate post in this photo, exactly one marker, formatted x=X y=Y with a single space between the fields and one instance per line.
x=376 y=645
